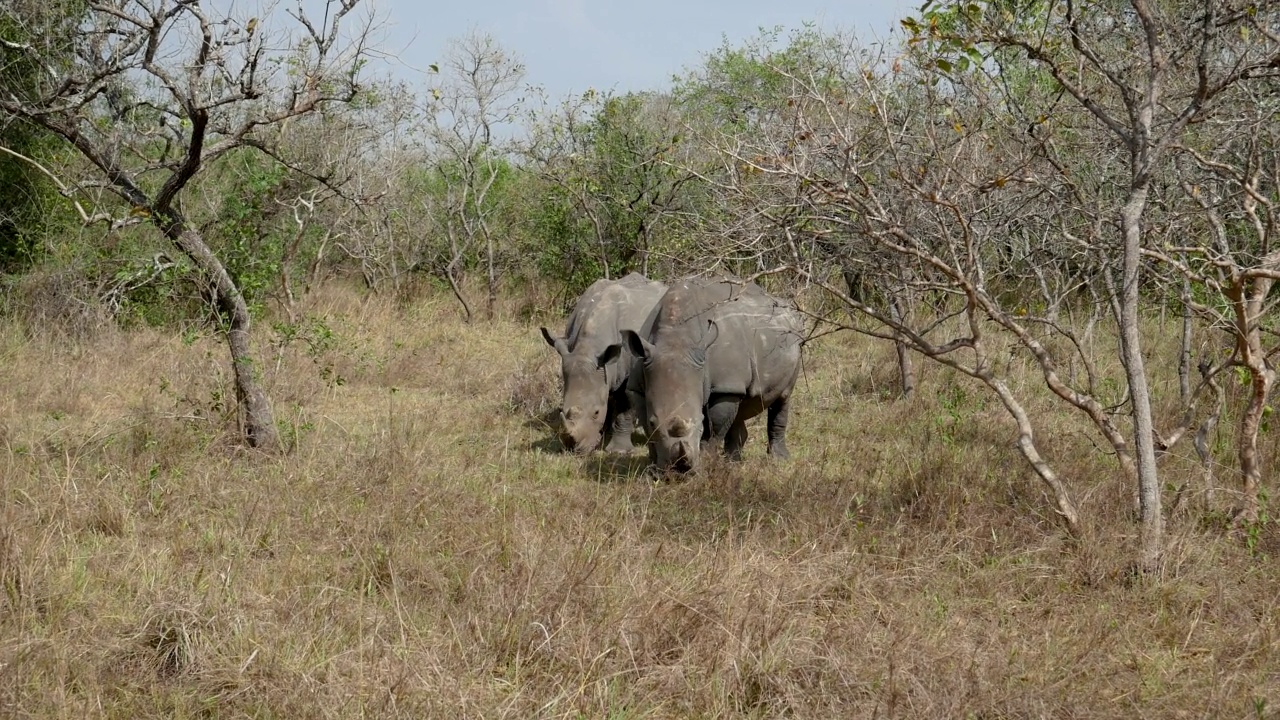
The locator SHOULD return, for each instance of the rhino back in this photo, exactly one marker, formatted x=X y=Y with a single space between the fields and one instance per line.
x=606 y=308
x=757 y=350
x=638 y=299
x=682 y=314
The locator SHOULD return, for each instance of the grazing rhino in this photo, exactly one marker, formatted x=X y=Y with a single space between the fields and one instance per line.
x=595 y=365
x=719 y=353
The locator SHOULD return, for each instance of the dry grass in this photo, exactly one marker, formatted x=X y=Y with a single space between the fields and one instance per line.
x=425 y=550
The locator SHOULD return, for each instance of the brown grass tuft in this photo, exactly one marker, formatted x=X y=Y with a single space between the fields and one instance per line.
x=58 y=304
x=12 y=578
x=533 y=390
x=167 y=640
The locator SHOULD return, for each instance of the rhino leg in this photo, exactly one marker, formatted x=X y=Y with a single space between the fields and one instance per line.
x=620 y=433
x=778 y=415
x=735 y=439
x=620 y=421
x=722 y=415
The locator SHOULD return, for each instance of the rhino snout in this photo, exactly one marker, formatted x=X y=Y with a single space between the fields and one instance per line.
x=579 y=433
x=682 y=465
x=579 y=447
x=682 y=457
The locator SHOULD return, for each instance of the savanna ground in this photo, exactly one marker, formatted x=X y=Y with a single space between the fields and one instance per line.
x=425 y=550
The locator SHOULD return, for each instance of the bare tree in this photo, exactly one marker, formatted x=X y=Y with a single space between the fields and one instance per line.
x=1144 y=72
x=376 y=220
x=470 y=104
x=1230 y=174
x=982 y=184
x=364 y=151
x=866 y=175
x=155 y=91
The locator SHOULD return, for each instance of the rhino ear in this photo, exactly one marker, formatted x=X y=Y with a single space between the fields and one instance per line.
x=554 y=342
x=610 y=354
x=636 y=344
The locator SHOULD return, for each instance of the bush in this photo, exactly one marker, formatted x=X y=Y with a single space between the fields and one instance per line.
x=60 y=302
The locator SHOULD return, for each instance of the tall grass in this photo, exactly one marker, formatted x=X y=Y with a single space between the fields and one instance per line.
x=425 y=550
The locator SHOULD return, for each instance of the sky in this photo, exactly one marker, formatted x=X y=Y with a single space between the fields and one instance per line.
x=568 y=46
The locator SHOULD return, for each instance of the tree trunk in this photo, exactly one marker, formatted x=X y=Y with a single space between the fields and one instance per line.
x=1202 y=436
x=1250 y=458
x=453 y=271
x=1184 y=352
x=604 y=246
x=906 y=372
x=1027 y=446
x=451 y=274
x=492 y=300
x=260 y=425
x=1249 y=308
x=1152 y=541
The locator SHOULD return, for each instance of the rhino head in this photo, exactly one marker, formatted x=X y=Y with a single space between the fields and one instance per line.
x=675 y=392
x=584 y=404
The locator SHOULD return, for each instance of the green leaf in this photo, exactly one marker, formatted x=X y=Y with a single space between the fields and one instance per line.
x=943 y=65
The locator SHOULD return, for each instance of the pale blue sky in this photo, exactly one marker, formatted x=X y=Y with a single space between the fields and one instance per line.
x=570 y=45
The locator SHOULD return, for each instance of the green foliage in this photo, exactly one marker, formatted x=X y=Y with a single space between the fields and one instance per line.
x=251 y=230
x=491 y=171
x=563 y=248
x=319 y=339
x=31 y=210
x=611 y=202
x=739 y=88
x=452 y=190
x=254 y=230
x=1255 y=530
x=250 y=241
x=964 y=36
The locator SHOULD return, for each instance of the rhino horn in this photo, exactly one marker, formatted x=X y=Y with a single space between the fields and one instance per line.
x=679 y=428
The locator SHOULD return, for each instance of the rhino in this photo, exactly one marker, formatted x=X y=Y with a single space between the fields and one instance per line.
x=595 y=365
x=719 y=353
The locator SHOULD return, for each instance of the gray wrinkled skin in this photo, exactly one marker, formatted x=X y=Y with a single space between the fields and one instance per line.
x=595 y=365
x=719 y=353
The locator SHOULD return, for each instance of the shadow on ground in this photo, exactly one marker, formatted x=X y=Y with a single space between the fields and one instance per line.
x=611 y=468
x=546 y=425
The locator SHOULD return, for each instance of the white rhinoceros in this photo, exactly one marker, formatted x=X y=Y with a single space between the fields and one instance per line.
x=595 y=364
x=719 y=353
